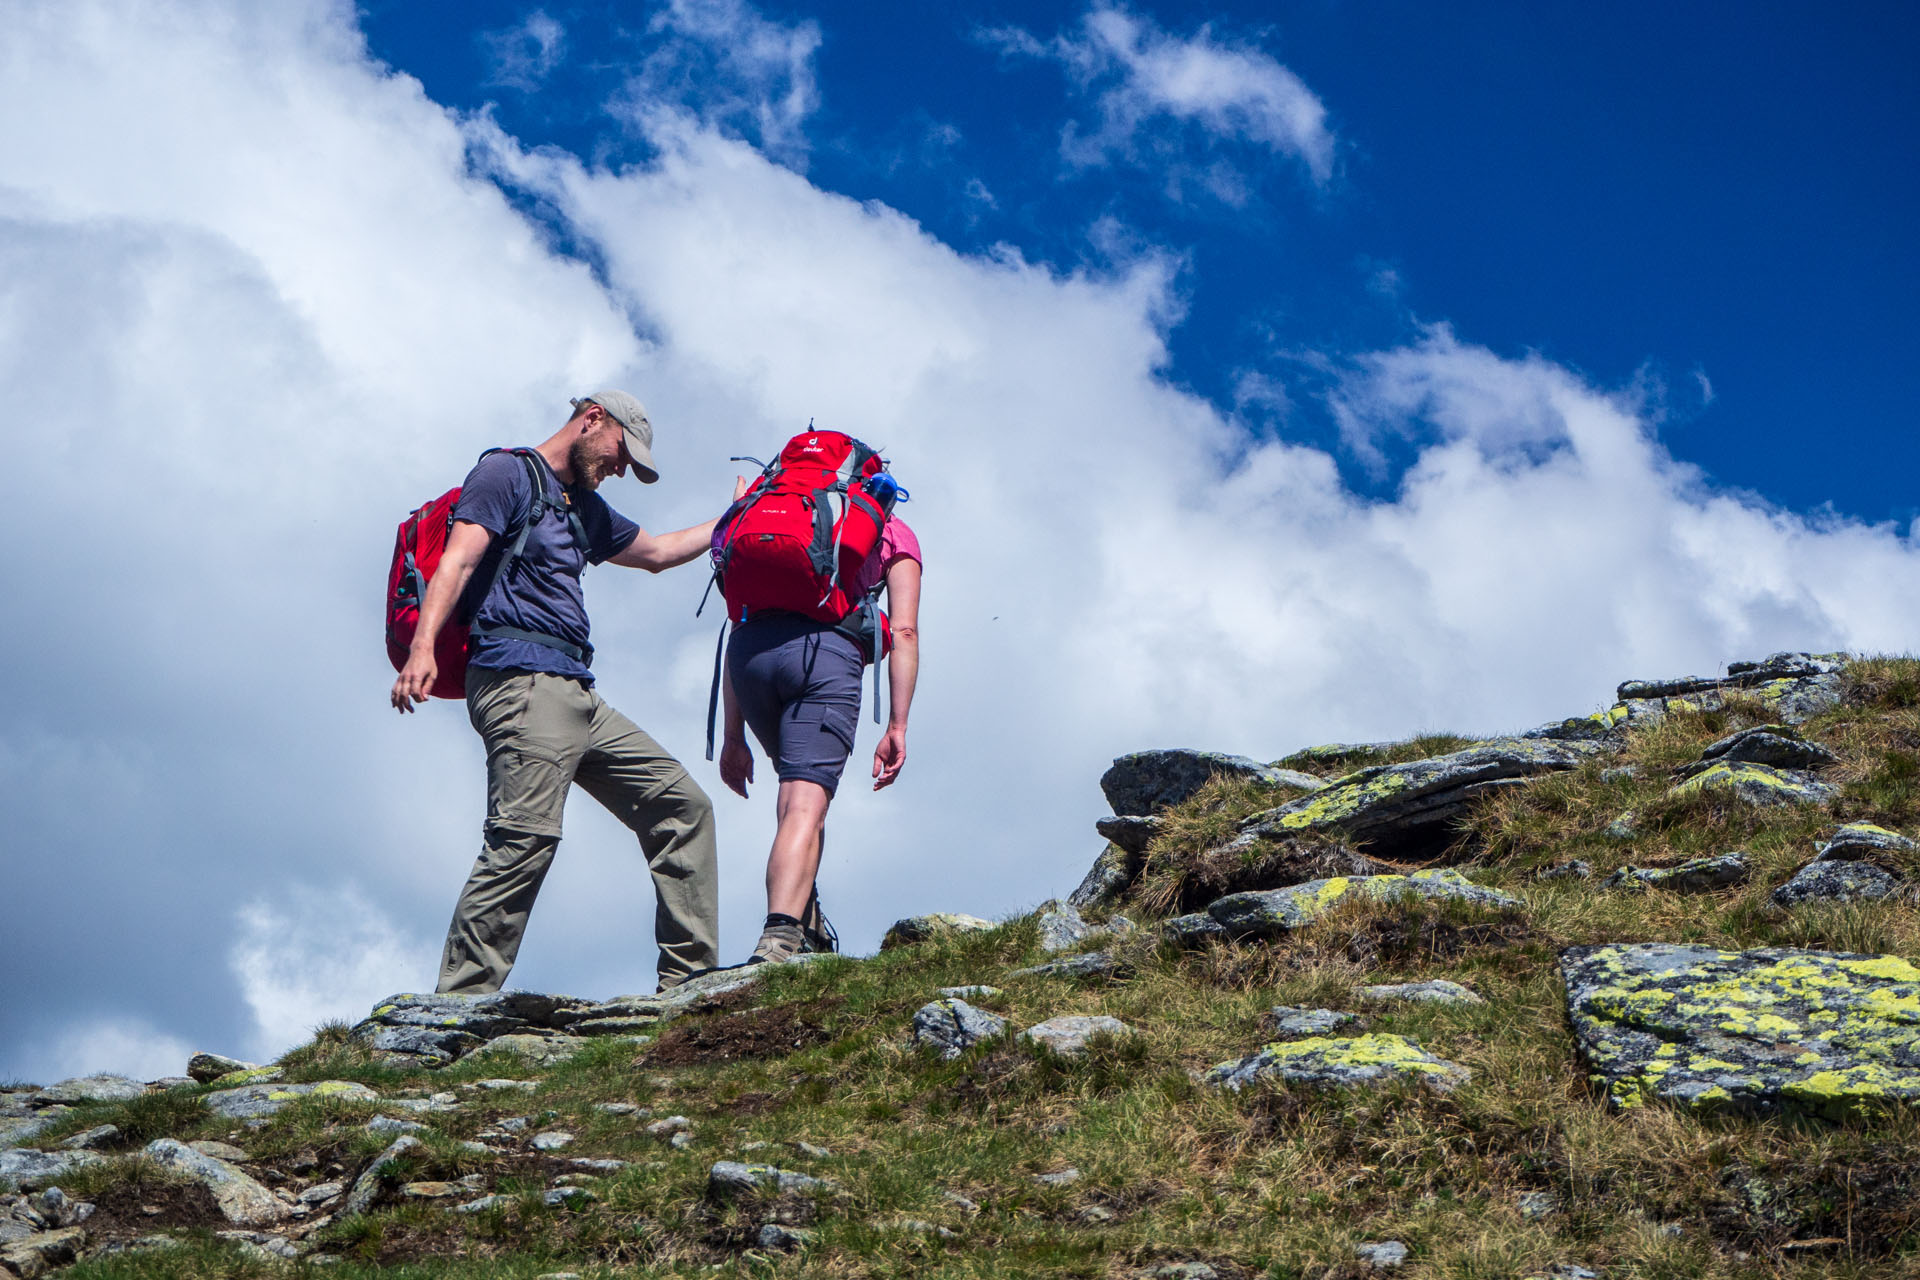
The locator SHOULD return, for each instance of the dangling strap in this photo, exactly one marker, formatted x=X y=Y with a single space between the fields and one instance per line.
x=713 y=694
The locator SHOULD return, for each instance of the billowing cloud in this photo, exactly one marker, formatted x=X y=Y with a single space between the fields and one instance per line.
x=523 y=55
x=734 y=69
x=1141 y=77
x=248 y=320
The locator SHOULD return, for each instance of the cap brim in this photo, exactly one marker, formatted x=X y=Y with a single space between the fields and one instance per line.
x=639 y=457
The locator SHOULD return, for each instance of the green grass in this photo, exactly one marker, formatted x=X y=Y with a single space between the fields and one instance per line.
x=1272 y=1182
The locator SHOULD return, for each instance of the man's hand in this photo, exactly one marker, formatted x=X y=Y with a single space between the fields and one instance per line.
x=415 y=679
x=889 y=757
x=736 y=765
x=740 y=486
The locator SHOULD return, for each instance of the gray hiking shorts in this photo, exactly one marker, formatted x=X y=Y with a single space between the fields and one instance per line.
x=797 y=682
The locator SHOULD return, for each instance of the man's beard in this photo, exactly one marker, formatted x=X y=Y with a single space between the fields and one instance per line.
x=586 y=468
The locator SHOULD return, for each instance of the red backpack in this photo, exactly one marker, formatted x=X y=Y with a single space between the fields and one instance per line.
x=809 y=522
x=417 y=549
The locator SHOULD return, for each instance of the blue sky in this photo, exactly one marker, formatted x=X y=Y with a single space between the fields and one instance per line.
x=1718 y=199
x=1262 y=378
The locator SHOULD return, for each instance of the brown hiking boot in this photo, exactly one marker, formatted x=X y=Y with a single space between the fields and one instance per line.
x=778 y=942
x=815 y=929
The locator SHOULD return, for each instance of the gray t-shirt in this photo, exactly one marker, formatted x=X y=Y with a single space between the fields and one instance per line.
x=541 y=590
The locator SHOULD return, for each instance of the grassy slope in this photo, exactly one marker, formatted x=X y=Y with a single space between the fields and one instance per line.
x=1268 y=1183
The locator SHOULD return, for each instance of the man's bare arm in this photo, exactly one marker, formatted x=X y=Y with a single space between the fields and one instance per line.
x=903 y=667
x=466 y=544
x=656 y=551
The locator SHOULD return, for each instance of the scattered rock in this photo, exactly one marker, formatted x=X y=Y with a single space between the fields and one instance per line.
x=1133 y=833
x=1194 y=930
x=952 y=1026
x=976 y=991
x=205 y=1068
x=1415 y=806
x=1696 y=875
x=664 y=1129
x=1433 y=991
x=730 y=1178
x=1620 y=773
x=220 y=1151
x=1146 y=782
x=60 y=1210
x=321 y=1192
x=1624 y=827
x=1827 y=1033
x=1094 y=964
x=812 y=1152
x=242 y=1200
x=622 y=1109
x=596 y=1165
x=555 y=1139
x=483 y=1204
x=1289 y=1022
x=1061 y=927
x=1383 y=1255
x=254 y=1101
x=387 y=1124
x=1183 y=1271
x=1859 y=840
x=100 y=1088
x=36 y=1255
x=1572 y=869
x=1110 y=876
x=1835 y=881
x=1534 y=1205
x=1371 y=1059
x=492 y=1086
x=783 y=1239
x=434 y=1190
x=1060 y=1178
x=541 y=1050
x=1757 y=784
x=567 y=1195
x=1770 y=744
x=373 y=1179
x=1794 y=686
x=1272 y=912
x=920 y=928
x=98 y=1136
x=1069 y=1035
x=29 y=1169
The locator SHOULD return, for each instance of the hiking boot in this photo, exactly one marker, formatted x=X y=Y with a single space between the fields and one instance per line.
x=778 y=942
x=814 y=927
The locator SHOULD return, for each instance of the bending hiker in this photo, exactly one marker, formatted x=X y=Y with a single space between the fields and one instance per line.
x=802 y=590
x=520 y=531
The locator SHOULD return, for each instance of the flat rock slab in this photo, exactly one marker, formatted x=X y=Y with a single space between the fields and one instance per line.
x=951 y=1027
x=252 y=1101
x=378 y=1175
x=1132 y=832
x=1837 y=881
x=1396 y=806
x=102 y=1088
x=1776 y=744
x=1194 y=929
x=1760 y=785
x=29 y=1169
x=1094 y=964
x=542 y=1050
x=1069 y=1035
x=1292 y=1022
x=1696 y=875
x=242 y=1200
x=907 y=932
x=1340 y=1062
x=728 y=1179
x=1145 y=782
x=1794 y=686
x=1272 y=912
x=1820 y=1032
x=1433 y=991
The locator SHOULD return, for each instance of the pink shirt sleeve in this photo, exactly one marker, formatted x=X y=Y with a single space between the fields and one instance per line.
x=896 y=540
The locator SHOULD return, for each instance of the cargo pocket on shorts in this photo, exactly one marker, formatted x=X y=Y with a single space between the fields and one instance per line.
x=526 y=789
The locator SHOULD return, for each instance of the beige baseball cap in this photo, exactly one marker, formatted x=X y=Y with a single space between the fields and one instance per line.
x=632 y=417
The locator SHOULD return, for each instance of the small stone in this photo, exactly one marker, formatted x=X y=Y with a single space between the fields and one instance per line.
x=205 y=1068
x=1192 y=930
x=919 y=1227
x=914 y=929
x=1696 y=875
x=320 y=1193
x=812 y=1152
x=434 y=1190
x=220 y=1151
x=558 y=1275
x=1059 y=1178
x=372 y=1180
x=100 y=1088
x=782 y=1239
x=492 y=1085
x=1535 y=1205
x=682 y=1140
x=1572 y=869
x=99 y=1136
x=622 y=1109
x=1620 y=773
x=1184 y=1271
x=1624 y=827
x=1332 y=1062
x=1061 y=927
x=1094 y=964
x=552 y=1140
x=567 y=1195
x=666 y=1128
x=950 y=1027
x=976 y=991
x=483 y=1204
x=1094 y=1214
x=1434 y=991
x=242 y=1200
x=1836 y=881
x=730 y=1178
x=1290 y=1022
x=962 y=1202
x=1858 y=840
x=1383 y=1256
x=597 y=1165
x=515 y=1124
x=541 y=1050
x=1070 y=1035
x=387 y=1124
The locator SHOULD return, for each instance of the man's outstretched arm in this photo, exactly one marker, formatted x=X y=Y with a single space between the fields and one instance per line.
x=466 y=544
x=903 y=667
x=656 y=551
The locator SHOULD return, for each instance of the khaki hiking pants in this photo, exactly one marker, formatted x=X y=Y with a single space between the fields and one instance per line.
x=544 y=732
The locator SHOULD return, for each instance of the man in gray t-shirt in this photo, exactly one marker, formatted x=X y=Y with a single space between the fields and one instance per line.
x=531 y=698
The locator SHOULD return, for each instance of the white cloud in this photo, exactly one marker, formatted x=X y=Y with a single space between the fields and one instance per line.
x=523 y=55
x=734 y=69
x=1141 y=76
x=130 y=1046
x=248 y=320
x=319 y=955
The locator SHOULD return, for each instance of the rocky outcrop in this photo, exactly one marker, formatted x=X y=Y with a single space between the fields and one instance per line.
x=1760 y=785
x=1400 y=808
x=1794 y=686
x=1274 y=912
x=242 y=1200
x=1146 y=782
x=1858 y=841
x=1828 y=1033
x=1108 y=879
x=951 y=1027
x=1778 y=745
x=254 y=1101
x=1348 y=1062
x=1835 y=881
x=1061 y=928
x=1696 y=875
x=907 y=932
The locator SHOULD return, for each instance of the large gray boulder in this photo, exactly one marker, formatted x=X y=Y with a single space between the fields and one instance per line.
x=241 y=1199
x=1412 y=806
x=100 y=1088
x=1858 y=841
x=254 y=1101
x=1819 y=1032
x=1778 y=745
x=1760 y=785
x=28 y=1168
x=1145 y=782
x=1340 y=1062
x=1061 y=928
x=1273 y=912
x=1836 y=881
x=951 y=1027
x=1108 y=879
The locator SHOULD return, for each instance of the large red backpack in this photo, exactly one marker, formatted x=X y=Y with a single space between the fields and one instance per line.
x=417 y=548
x=791 y=542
